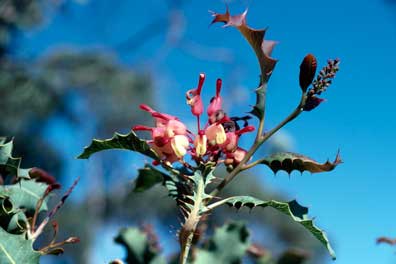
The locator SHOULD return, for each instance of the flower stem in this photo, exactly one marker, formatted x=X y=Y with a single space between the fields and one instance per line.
x=260 y=139
x=189 y=227
x=186 y=249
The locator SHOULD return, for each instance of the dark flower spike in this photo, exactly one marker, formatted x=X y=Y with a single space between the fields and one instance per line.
x=325 y=77
x=307 y=71
x=255 y=37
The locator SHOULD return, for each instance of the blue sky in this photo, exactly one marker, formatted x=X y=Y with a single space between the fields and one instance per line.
x=354 y=203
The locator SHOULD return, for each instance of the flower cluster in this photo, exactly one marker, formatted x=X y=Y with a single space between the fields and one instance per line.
x=217 y=141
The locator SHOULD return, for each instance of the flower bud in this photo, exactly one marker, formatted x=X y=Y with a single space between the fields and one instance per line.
x=307 y=71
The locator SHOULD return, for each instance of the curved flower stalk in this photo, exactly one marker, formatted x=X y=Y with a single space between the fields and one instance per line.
x=188 y=159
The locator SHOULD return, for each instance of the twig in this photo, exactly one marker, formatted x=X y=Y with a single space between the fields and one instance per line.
x=54 y=210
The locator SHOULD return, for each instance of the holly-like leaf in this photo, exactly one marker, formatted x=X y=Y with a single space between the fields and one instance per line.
x=24 y=195
x=255 y=37
x=10 y=165
x=201 y=179
x=18 y=223
x=147 y=178
x=150 y=176
x=129 y=141
x=15 y=249
x=293 y=209
x=139 y=249
x=262 y=48
x=288 y=162
x=228 y=245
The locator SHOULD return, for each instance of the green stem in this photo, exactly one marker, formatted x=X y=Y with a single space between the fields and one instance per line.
x=260 y=127
x=260 y=139
x=216 y=204
x=187 y=231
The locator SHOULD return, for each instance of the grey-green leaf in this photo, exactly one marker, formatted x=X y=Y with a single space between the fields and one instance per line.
x=139 y=249
x=18 y=223
x=288 y=161
x=8 y=163
x=228 y=245
x=24 y=194
x=147 y=178
x=150 y=176
x=128 y=141
x=15 y=249
x=293 y=209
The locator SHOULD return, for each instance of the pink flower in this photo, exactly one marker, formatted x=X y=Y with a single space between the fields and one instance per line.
x=179 y=145
x=219 y=139
x=235 y=157
x=231 y=142
x=160 y=118
x=169 y=137
x=215 y=134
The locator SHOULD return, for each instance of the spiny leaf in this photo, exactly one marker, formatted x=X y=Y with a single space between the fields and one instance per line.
x=293 y=209
x=147 y=178
x=204 y=172
x=255 y=37
x=288 y=162
x=15 y=249
x=262 y=49
x=24 y=194
x=8 y=164
x=228 y=245
x=138 y=246
x=18 y=223
x=129 y=141
x=150 y=176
